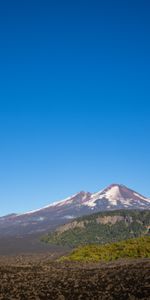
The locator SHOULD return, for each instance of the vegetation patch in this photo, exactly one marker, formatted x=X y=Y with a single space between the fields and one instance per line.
x=132 y=248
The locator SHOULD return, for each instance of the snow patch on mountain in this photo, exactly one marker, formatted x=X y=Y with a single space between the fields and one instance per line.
x=141 y=197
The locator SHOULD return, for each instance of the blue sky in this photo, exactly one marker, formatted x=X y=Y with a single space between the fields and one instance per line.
x=74 y=99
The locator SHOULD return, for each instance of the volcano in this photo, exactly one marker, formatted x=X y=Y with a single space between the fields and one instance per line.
x=114 y=197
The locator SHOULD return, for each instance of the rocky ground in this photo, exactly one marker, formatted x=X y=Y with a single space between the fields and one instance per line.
x=38 y=277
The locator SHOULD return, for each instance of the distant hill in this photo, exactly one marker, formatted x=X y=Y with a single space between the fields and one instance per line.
x=132 y=248
x=101 y=228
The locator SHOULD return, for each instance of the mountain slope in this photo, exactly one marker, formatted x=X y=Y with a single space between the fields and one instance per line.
x=101 y=228
x=113 y=197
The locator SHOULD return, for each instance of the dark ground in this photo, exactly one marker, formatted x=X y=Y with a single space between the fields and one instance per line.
x=36 y=277
x=28 y=271
x=27 y=244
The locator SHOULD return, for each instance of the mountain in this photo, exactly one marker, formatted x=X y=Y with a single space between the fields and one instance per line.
x=114 y=197
x=101 y=228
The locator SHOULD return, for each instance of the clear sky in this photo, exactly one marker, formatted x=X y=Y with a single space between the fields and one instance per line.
x=74 y=99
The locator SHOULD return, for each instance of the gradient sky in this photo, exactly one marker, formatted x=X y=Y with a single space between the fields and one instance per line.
x=74 y=99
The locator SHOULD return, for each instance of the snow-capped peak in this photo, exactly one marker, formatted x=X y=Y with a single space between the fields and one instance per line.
x=117 y=196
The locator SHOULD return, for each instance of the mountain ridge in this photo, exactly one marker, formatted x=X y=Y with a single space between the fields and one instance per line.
x=101 y=228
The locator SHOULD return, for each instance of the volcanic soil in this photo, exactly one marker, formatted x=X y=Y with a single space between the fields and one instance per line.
x=38 y=276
